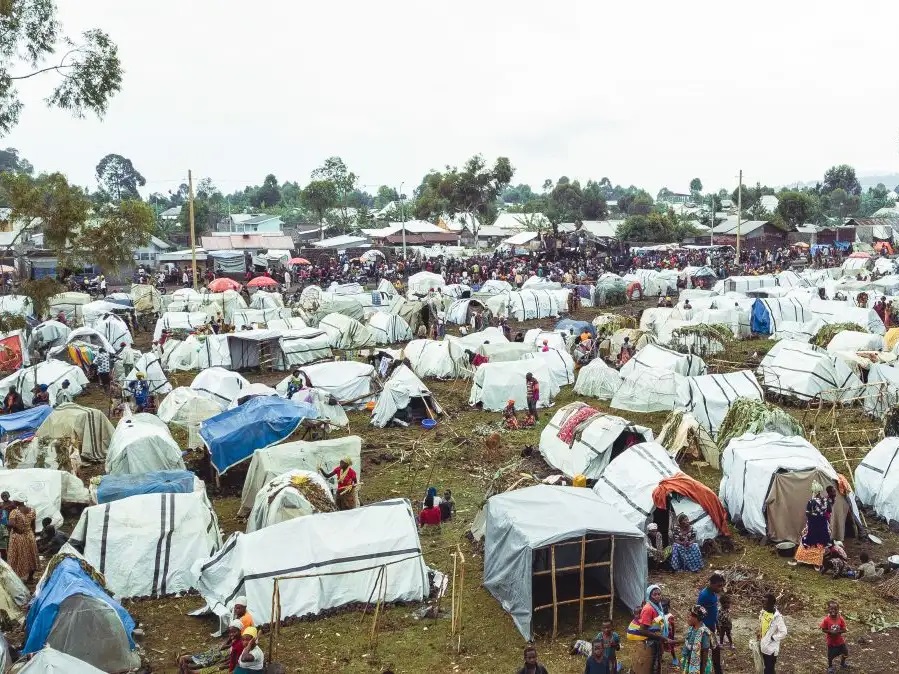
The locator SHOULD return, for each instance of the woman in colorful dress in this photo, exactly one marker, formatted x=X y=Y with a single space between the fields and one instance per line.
x=685 y=552
x=22 y=546
x=696 y=652
x=816 y=537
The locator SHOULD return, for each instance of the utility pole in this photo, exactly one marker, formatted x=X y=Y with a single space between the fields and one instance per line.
x=193 y=231
x=739 y=212
x=403 y=218
x=712 y=219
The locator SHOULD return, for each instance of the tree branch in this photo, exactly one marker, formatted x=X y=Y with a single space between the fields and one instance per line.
x=62 y=64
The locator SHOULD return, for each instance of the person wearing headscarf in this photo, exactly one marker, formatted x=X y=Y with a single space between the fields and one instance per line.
x=510 y=419
x=650 y=628
x=240 y=612
x=695 y=654
x=41 y=395
x=218 y=657
x=64 y=394
x=347 y=483
x=685 y=552
x=251 y=658
x=816 y=537
x=140 y=391
x=22 y=545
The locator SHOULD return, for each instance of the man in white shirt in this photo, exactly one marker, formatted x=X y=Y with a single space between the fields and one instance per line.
x=287 y=280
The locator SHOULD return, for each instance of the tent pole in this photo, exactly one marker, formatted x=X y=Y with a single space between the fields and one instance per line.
x=371 y=595
x=552 y=550
x=612 y=580
x=580 y=611
x=453 y=598
x=461 y=588
x=276 y=619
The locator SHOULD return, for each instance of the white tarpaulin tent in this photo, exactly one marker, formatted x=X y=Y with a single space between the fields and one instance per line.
x=280 y=500
x=520 y=522
x=151 y=366
x=346 y=333
x=142 y=443
x=766 y=481
x=804 y=371
x=304 y=345
x=69 y=303
x=389 y=328
x=596 y=441
x=831 y=311
x=769 y=315
x=559 y=363
x=42 y=487
x=877 y=480
x=270 y=462
x=292 y=323
x=883 y=396
x=344 y=379
x=504 y=352
x=187 y=408
x=441 y=360
x=307 y=549
x=495 y=384
x=259 y=317
x=220 y=385
x=423 y=282
x=88 y=425
x=196 y=353
x=145 y=545
x=328 y=410
x=50 y=661
x=851 y=340
x=629 y=480
x=402 y=387
x=50 y=372
x=555 y=339
x=525 y=305
x=597 y=380
x=658 y=358
x=711 y=395
x=651 y=391
x=47 y=335
x=262 y=299
x=180 y=320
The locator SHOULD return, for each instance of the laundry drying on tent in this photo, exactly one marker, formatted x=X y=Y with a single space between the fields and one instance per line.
x=70 y=603
x=142 y=443
x=144 y=545
x=307 y=551
x=580 y=440
x=766 y=482
x=296 y=493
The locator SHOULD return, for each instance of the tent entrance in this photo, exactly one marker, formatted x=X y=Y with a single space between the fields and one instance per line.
x=785 y=505
x=627 y=438
x=568 y=574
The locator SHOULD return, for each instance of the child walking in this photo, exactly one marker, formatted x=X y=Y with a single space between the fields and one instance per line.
x=725 y=624
x=834 y=626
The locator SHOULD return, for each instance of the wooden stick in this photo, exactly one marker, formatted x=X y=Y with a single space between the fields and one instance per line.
x=612 y=580
x=371 y=594
x=577 y=600
x=580 y=611
x=552 y=551
x=576 y=567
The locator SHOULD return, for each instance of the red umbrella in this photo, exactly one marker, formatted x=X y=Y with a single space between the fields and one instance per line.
x=220 y=285
x=261 y=281
x=298 y=260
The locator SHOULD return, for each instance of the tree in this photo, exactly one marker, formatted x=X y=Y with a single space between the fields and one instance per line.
x=109 y=241
x=565 y=203
x=696 y=185
x=30 y=33
x=653 y=228
x=268 y=193
x=874 y=199
x=10 y=161
x=317 y=197
x=335 y=171
x=385 y=195
x=795 y=208
x=841 y=177
x=635 y=202
x=203 y=217
x=840 y=203
x=594 y=206
x=118 y=177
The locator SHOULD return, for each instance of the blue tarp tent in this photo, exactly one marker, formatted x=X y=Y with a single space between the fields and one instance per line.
x=567 y=324
x=26 y=420
x=115 y=487
x=760 y=320
x=234 y=435
x=68 y=579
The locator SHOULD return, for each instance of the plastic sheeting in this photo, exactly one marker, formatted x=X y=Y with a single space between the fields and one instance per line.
x=597 y=440
x=712 y=395
x=657 y=358
x=792 y=368
x=196 y=353
x=355 y=542
x=180 y=320
x=389 y=328
x=187 y=408
x=768 y=315
x=559 y=363
x=42 y=487
x=346 y=333
x=260 y=317
x=495 y=384
x=50 y=661
x=234 y=435
x=279 y=501
x=883 y=396
x=220 y=385
x=597 y=380
x=116 y=487
x=145 y=544
x=651 y=391
x=26 y=420
x=272 y=461
x=88 y=425
x=344 y=379
x=520 y=522
x=50 y=372
x=142 y=444
x=424 y=281
x=877 y=480
x=151 y=366
x=304 y=345
x=439 y=359
x=396 y=395
x=831 y=311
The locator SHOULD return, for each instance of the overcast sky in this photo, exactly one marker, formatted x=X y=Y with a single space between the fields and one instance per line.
x=649 y=93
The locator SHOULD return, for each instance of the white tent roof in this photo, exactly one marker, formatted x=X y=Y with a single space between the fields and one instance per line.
x=831 y=311
x=145 y=544
x=88 y=424
x=503 y=352
x=398 y=391
x=629 y=480
x=196 y=353
x=180 y=320
x=651 y=391
x=344 y=379
x=492 y=287
x=307 y=547
x=389 y=328
x=142 y=443
x=291 y=323
x=555 y=339
x=795 y=369
x=279 y=501
x=261 y=317
x=657 y=358
x=495 y=384
x=597 y=380
x=877 y=479
x=86 y=335
x=188 y=408
x=220 y=385
x=712 y=395
x=784 y=310
x=441 y=360
x=50 y=661
x=526 y=305
x=346 y=333
x=880 y=398
x=747 y=464
x=560 y=364
x=594 y=443
x=304 y=345
x=262 y=299
x=423 y=281
x=851 y=340
x=43 y=487
x=50 y=372
x=521 y=521
x=151 y=366
x=271 y=461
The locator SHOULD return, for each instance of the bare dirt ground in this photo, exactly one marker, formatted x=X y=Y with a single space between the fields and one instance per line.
x=404 y=462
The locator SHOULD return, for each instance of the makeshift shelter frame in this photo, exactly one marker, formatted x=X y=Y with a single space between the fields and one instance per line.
x=581 y=568
x=818 y=402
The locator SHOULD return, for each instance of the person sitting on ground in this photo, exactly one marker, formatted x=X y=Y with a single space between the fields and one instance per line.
x=531 y=665
x=50 y=540
x=13 y=401
x=430 y=514
x=223 y=656
x=432 y=492
x=655 y=548
x=64 y=394
x=685 y=552
x=519 y=337
x=510 y=420
x=140 y=391
x=41 y=395
x=867 y=570
x=252 y=658
x=447 y=506
x=240 y=612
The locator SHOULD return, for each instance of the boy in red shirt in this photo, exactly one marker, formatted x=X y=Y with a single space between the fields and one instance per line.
x=834 y=626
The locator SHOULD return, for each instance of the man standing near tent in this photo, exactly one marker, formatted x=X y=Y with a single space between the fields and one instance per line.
x=347 y=482
x=708 y=599
x=533 y=394
x=102 y=365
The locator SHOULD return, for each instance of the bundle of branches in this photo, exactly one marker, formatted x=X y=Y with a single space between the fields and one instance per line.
x=312 y=492
x=47 y=449
x=891 y=422
x=828 y=332
x=688 y=439
x=710 y=332
x=510 y=477
x=750 y=584
x=606 y=324
x=875 y=620
x=754 y=416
